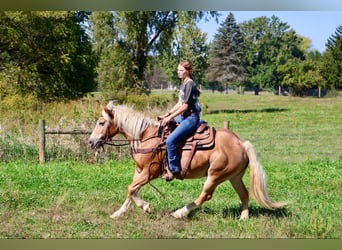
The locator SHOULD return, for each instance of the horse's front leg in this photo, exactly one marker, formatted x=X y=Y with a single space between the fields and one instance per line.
x=139 y=179
x=122 y=209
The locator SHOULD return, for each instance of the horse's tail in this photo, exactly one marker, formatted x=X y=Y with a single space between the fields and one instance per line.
x=258 y=180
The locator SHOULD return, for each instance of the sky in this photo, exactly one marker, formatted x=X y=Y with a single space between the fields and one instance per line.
x=318 y=26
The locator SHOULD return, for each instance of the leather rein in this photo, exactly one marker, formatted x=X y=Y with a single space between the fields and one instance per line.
x=134 y=150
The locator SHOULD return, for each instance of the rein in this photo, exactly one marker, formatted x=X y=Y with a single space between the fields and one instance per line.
x=120 y=145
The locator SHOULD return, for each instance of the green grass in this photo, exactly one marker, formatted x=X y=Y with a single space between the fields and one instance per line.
x=283 y=129
x=73 y=200
x=298 y=141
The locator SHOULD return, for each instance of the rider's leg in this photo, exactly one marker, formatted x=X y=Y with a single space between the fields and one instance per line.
x=186 y=128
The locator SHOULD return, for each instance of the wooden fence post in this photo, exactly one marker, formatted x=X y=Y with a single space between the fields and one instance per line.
x=41 y=141
x=226 y=124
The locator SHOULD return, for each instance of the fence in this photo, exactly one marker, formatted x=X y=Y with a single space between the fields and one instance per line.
x=42 y=137
x=43 y=132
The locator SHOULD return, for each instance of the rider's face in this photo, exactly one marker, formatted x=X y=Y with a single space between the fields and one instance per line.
x=182 y=72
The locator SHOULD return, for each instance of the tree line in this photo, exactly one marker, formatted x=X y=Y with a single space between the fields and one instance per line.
x=64 y=55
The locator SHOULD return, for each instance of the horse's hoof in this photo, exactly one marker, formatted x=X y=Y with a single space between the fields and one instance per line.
x=148 y=210
x=244 y=216
x=146 y=207
x=175 y=215
x=115 y=216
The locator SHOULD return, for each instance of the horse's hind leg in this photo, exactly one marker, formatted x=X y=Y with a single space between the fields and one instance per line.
x=206 y=194
x=241 y=190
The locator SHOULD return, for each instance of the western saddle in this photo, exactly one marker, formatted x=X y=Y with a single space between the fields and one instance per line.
x=202 y=139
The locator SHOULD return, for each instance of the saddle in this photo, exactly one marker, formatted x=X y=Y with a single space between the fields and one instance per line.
x=202 y=139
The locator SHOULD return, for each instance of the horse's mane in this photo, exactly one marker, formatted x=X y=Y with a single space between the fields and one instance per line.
x=129 y=120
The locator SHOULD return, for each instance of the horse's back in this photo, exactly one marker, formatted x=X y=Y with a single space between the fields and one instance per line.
x=228 y=139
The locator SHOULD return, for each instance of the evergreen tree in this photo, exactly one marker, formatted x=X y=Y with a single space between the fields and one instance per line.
x=331 y=68
x=226 y=52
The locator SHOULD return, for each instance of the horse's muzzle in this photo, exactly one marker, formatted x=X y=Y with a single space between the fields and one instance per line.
x=95 y=143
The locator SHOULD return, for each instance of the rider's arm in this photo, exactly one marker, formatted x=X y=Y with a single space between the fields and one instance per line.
x=178 y=109
x=174 y=108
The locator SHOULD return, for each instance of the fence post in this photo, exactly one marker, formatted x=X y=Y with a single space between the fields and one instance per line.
x=226 y=124
x=41 y=141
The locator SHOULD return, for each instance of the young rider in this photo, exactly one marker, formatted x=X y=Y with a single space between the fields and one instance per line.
x=187 y=111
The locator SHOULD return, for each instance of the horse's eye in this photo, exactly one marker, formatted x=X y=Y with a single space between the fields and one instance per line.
x=101 y=123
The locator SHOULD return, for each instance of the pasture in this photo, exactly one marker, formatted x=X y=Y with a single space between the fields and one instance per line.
x=298 y=141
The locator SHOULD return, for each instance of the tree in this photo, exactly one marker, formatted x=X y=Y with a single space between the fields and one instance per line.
x=269 y=43
x=300 y=75
x=226 y=52
x=331 y=69
x=114 y=63
x=156 y=77
x=189 y=43
x=48 y=54
x=131 y=38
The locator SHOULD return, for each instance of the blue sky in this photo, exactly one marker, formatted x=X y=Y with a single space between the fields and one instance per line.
x=316 y=25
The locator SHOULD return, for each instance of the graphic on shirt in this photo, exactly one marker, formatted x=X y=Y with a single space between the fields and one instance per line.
x=188 y=94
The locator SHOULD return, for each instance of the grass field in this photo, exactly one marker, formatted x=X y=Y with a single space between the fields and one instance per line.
x=298 y=140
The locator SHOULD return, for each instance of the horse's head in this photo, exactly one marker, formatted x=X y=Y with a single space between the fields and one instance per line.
x=104 y=130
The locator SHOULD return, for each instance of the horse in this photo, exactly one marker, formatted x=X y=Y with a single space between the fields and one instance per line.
x=228 y=159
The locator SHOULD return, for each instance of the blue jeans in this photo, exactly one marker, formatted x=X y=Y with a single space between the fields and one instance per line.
x=187 y=126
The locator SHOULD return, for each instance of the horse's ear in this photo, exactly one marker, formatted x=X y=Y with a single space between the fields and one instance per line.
x=108 y=112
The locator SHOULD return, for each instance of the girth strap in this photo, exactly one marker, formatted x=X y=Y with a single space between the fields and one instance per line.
x=188 y=161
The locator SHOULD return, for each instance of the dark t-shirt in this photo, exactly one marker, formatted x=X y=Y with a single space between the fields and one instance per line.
x=189 y=93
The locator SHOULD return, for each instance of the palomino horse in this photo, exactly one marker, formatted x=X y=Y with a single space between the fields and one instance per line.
x=227 y=160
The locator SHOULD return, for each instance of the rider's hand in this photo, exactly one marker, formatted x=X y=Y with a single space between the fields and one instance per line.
x=165 y=121
x=162 y=117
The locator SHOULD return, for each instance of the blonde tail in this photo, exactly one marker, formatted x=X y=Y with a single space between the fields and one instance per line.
x=258 y=180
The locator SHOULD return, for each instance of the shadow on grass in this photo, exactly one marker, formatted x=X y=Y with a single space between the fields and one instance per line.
x=254 y=211
x=265 y=110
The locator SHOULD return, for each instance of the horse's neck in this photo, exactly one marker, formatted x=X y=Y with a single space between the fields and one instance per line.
x=150 y=132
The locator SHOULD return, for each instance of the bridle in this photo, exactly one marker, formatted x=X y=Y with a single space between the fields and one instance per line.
x=108 y=141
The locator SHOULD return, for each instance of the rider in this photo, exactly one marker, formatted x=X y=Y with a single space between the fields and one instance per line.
x=186 y=112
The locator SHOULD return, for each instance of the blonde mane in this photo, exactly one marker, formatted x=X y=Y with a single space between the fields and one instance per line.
x=130 y=121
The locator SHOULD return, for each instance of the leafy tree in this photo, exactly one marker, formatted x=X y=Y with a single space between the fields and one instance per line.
x=131 y=38
x=331 y=68
x=47 y=53
x=226 y=53
x=114 y=63
x=269 y=43
x=300 y=75
x=189 y=43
